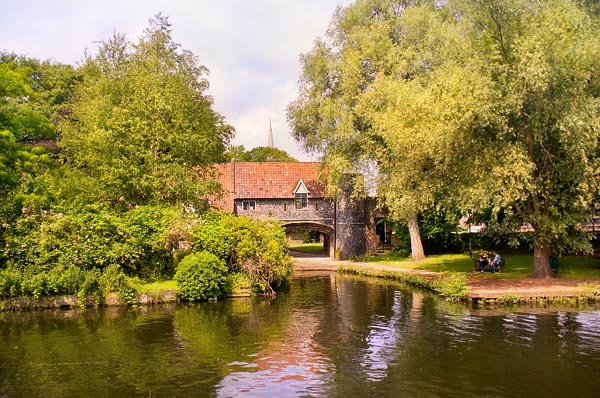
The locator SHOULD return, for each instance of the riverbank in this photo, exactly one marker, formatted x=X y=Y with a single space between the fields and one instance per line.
x=73 y=301
x=481 y=286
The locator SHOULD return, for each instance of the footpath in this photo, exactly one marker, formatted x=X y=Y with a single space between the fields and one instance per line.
x=482 y=286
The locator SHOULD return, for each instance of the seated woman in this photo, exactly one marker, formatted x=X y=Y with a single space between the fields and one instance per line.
x=483 y=261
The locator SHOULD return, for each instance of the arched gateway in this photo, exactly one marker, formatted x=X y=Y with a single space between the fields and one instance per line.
x=290 y=192
x=327 y=232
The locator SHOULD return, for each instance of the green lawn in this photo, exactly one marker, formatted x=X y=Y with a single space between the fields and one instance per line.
x=307 y=247
x=517 y=265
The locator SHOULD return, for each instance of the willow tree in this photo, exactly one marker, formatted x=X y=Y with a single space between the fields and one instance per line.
x=539 y=61
x=142 y=129
x=329 y=117
x=507 y=115
x=477 y=104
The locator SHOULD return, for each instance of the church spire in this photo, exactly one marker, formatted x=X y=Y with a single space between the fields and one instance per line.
x=270 y=135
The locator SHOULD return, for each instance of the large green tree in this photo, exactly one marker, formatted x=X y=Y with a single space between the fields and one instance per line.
x=494 y=103
x=24 y=124
x=258 y=154
x=540 y=66
x=331 y=116
x=142 y=128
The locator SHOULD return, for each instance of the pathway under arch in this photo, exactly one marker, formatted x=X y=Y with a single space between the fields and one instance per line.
x=327 y=232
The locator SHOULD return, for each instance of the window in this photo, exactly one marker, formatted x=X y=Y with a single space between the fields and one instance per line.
x=249 y=205
x=301 y=200
x=301 y=195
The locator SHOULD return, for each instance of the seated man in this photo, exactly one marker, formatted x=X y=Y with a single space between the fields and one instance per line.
x=495 y=262
x=483 y=261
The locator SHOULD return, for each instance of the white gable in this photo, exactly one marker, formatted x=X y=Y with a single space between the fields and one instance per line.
x=301 y=188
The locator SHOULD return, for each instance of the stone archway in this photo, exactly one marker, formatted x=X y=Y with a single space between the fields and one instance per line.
x=327 y=232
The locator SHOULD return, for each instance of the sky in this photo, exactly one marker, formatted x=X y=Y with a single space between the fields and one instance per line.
x=250 y=47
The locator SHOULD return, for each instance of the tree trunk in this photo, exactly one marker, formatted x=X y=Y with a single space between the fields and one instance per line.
x=416 y=246
x=541 y=261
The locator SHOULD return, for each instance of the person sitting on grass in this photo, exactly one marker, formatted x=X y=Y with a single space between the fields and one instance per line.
x=495 y=262
x=483 y=261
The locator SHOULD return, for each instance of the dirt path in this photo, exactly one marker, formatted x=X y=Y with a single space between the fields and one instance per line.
x=482 y=285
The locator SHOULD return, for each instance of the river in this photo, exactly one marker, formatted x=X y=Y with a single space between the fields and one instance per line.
x=329 y=335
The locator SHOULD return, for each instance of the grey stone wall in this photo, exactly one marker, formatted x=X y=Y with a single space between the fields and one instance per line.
x=350 y=224
x=318 y=210
x=352 y=227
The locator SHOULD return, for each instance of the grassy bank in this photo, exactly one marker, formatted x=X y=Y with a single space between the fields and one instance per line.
x=518 y=265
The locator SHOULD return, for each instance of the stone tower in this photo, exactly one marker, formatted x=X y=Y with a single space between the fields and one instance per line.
x=350 y=238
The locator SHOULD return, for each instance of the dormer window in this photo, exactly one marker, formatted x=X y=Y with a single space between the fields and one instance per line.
x=301 y=195
x=301 y=200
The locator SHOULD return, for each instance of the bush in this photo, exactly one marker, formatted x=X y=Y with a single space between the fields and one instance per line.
x=10 y=283
x=238 y=283
x=90 y=285
x=254 y=247
x=113 y=280
x=141 y=241
x=201 y=276
x=454 y=287
x=63 y=280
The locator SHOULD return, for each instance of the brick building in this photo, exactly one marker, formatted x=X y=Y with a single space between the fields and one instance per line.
x=291 y=193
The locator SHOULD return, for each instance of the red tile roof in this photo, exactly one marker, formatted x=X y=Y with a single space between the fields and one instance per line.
x=266 y=180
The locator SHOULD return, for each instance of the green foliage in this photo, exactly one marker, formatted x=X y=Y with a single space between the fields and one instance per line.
x=256 y=247
x=590 y=291
x=67 y=252
x=22 y=123
x=238 y=283
x=454 y=287
x=258 y=154
x=394 y=255
x=39 y=98
x=508 y=299
x=10 y=282
x=201 y=276
x=29 y=105
x=138 y=139
x=140 y=241
x=90 y=286
x=113 y=280
x=142 y=126
x=66 y=281
x=439 y=231
x=408 y=278
x=496 y=109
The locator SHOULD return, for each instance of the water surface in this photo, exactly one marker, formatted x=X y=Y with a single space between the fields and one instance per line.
x=328 y=336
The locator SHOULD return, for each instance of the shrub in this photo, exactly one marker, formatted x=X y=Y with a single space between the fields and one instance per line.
x=64 y=280
x=141 y=241
x=201 y=276
x=10 y=283
x=90 y=285
x=238 y=283
x=158 y=232
x=508 y=299
x=255 y=247
x=454 y=287
x=113 y=280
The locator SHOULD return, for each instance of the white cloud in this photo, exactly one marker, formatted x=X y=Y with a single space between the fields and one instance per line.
x=251 y=47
